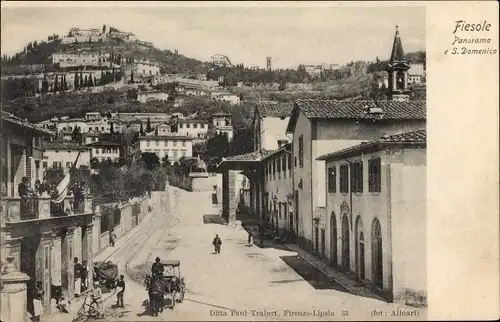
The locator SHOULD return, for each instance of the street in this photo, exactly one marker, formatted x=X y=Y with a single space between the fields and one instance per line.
x=241 y=283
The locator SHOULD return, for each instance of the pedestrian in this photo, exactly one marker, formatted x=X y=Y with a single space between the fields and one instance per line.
x=157 y=267
x=97 y=300
x=85 y=276
x=120 y=287
x=37 y=186
x=112 y=238
x=37 y=301
x=77 y=268
x=217 y=243
x=250 y=239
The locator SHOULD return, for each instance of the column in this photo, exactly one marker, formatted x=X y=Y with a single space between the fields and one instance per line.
x=13 y=295
x=96 y=231
x=90 y=253
x=56 y=262
x=77 y=243
x=43 y=267
x=225 y=194
x=69 y=244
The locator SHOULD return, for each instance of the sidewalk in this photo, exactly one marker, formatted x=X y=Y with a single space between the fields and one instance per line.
x=345 y=281
x=102 y=256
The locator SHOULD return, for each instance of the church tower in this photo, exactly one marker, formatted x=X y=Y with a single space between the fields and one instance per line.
x=398 y=71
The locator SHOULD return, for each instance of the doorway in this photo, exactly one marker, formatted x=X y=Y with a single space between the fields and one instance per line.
x=322 y=243
x=345 y=243
x=29 y=248
x=361 y=257
x=316 y=239
x=333 y=240
x=360 y=250
x=377 y=268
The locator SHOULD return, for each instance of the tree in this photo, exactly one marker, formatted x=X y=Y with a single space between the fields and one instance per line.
x=101 y=81
x=141 y=130
x=91 y=81
x=82 y=84
x=86 y=82
x=111 y=129
x=76 y=82
x=150 y=160
x=165 y=161
x=148 y=126
x=55 y=84
x=95 y=81
x=217 y=146
x=45 y=84
x=132 y=77
x=77 y=136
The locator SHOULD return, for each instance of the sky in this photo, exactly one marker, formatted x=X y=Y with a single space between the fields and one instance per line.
x=292 y=34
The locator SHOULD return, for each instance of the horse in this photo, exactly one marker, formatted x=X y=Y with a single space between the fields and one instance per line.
x=157 y=287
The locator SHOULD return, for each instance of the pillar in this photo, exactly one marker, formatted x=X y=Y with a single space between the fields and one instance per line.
x=56 y=261
x=90 y=252
x=43 y=266
x=69 y=244
x=77 y=243
x=225 y=194
x=13 y=295
x=96 y=231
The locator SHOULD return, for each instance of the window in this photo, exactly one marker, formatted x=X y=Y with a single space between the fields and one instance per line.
x=157 y=143
x=45 y=165
x=344 y=174
x=181 y=125
x=188 y=125
x=96 y=151
x=332 y=180
x=195 y=126
x=175 y=154
x=183 y=153
x=374 y=175
x=148 y=143
x=54 y=165
x=184 y=143
x=274 y=169
x=301 y=151
x=175 y=143
x=165 y=143
x=357 y=177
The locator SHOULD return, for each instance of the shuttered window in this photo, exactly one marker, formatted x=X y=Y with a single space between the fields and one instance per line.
x=374 y=175
x=357 y=177
x=332 y=180
x=343 y=180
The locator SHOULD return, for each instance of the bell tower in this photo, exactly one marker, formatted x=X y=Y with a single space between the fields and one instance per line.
x=398 y=71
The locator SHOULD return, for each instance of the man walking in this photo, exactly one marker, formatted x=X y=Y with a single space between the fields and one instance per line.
x=85 y=276
x=217 y=243
x=77 y=269
x=120 y=287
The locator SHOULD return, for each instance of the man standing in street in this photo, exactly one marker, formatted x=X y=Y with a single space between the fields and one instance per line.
x=217 y=243
x=120 y=287
x=77 y=267
x=85 y=276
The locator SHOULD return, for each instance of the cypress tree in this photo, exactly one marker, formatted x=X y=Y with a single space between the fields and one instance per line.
x=55 y=84
x=85 y=83
x=148 y=126
x=75 y=81
x=82 y=84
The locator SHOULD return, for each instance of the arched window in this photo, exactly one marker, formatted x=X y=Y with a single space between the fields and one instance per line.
x=333 y=240
x=377 y=267
x=360 y=250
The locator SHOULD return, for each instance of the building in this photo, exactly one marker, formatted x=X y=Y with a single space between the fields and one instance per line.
x=416 y=74
x=221 y=60
x=322 y=126
x=104 y=150
x=92 y=59
x=314 y=70
x=143 y=97
x=64 y=154
x=90 y=137
x=277 y=197
x=268 y=64
x=269 y=124
x=173 y=147
x=194 y=128
x=225 y=97
x=374 y=225
x=222 y=124
x=398 y=71
x=30 y=242
x=145 y=68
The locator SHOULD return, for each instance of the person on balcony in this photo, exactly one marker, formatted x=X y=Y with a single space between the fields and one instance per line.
x=26 y=193
x=44 y=186
x=78 y=196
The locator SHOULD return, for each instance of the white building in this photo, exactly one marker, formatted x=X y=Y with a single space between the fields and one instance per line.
x=222 y=124
x=81 y=59
x=221 y=60
x=103 y=151
x=172 y=146
x=269 y=124
x=64 y=154
x=196 y=129
x=143 y=97
x=225 y=97
x=145 y=68
x=416 y=74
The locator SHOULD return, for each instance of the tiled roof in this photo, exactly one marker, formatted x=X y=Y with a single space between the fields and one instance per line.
x=287 y=147
x=275 y=109
x=63 y=145
x=251 y=156
x=414 y=137
x=391 y=110
x=8 y=117
x=192 y=121
x=167 y=137
x=104 y=143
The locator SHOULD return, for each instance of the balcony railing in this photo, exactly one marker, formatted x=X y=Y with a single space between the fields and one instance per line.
x=15 y=209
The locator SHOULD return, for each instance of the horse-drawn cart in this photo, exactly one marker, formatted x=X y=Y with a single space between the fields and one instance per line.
x=170 y=285
x=106 y=273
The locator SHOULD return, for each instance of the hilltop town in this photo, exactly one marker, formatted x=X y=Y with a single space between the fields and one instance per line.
x=323 y=162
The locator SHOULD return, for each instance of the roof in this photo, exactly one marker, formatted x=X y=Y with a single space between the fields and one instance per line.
x=63 y=145
x=270 y=109
x=221 y=114
x=192 y=121
x=168 y=137
x=104 y=143
x=8 y=117
x=357 y=110
x=416 y=138
x=397 y=54
x=171 y=262
x=250 y=156
x=287 y=148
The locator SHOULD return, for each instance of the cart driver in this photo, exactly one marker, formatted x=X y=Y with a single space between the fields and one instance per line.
x=157 y=268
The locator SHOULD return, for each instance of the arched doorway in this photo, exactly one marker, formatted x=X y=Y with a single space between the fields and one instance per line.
x=333 y=240
x=360 y=250
x=345 y=243
x=377 y=269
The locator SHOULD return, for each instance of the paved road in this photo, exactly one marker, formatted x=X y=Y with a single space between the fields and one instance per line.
x=241 y=283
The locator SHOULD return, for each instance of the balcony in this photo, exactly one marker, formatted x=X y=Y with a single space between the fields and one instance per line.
x=15 y=209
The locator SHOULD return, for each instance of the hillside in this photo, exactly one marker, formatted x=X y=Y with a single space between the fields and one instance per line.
x=26 y=61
